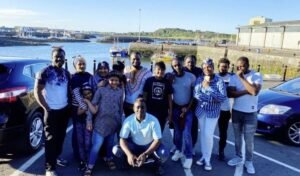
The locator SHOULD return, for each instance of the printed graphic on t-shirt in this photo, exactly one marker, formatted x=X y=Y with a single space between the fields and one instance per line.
x=157 y=90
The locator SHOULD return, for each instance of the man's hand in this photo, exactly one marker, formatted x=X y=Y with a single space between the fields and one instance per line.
x=132 y=160
x=89 y=126
x=141 y=159
x=240 y=74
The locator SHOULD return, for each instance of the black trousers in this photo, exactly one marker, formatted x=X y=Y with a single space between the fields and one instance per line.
x=55 y=125
x=194 y=130
x=223 y=126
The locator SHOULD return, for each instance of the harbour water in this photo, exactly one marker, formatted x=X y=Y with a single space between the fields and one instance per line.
x=90 y=51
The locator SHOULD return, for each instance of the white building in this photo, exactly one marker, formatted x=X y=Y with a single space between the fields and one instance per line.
x=282 y=35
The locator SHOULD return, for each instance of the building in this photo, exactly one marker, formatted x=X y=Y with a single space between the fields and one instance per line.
x=263 y=33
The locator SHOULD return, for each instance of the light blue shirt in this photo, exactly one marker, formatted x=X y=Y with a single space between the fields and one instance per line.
x=141 y=133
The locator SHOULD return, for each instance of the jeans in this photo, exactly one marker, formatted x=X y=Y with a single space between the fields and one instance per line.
x=244 y=123
x=97 y=141
x=207 y=129
x=83 y=140
x=160 y=155
x=223 y=127
x=184 y=133
x=55 y=125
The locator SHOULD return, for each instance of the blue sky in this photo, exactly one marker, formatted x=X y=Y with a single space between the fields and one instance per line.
x=123 y=15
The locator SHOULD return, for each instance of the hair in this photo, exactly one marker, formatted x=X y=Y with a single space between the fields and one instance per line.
x=114 y=74
x=161 y=65
x=103 y=64
x=136 y=53
x=119 y=66
x=224 y=61
x=78 y=58
x=208 y=61
x=140 y=100
x=244 y=59
x=58 y=49
x=193 y=57
x=85 y=86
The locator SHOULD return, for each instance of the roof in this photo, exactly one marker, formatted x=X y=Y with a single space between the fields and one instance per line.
x=275 y=24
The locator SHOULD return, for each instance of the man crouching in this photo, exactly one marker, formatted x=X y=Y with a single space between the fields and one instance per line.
x=140 y=139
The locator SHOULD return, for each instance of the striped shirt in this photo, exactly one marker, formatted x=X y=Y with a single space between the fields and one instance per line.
x=209 y=99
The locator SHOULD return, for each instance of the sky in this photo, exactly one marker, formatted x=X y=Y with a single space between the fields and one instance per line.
x=123 y=15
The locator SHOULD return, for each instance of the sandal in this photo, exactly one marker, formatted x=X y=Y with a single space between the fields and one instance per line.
x=111 y=165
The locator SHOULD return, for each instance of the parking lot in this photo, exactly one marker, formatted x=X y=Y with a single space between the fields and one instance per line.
x=271 y=158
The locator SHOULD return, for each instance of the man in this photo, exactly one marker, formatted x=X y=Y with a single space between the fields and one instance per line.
x=244 y=87
x=136 y=77
x=183 y=84
x=140 y=138
x=225 y=114
x=190 y=62
x=52 y=92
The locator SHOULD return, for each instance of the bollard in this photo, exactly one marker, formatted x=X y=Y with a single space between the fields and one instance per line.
x=226 y=52
x=151 y=66
x=94 y=68
x=66 y=64
x=232 y=68
x=258 y=68
x=284 y=73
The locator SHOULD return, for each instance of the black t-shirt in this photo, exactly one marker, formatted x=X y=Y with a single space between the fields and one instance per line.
x=157 y=95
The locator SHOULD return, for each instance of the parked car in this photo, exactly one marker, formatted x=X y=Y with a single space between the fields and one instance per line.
x=279 y=111
x=21 y=118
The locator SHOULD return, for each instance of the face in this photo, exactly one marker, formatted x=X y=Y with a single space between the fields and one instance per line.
x=58 y=58
x=177 y=66
x=158 y=72
x=139 y=109
x=189 y=63
x=135 y=60
x=103 y=71
x=208 y=70
x=223 y=68
x=87 y=94
x=114 y=82
x=80 y=66
x=242 y=66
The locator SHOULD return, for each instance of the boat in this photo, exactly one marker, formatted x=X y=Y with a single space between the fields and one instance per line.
x=165 y=56
x=116 y=51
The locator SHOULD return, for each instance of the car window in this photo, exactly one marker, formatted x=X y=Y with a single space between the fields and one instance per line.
x=4 y=72
x=33 y=69
x=292 y=86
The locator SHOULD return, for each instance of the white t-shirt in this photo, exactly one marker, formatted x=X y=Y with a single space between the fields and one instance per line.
x=225 y=106
x=246 y=103
x=141 y=133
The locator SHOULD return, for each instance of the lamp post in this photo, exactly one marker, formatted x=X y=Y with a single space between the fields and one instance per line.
x=139 y=25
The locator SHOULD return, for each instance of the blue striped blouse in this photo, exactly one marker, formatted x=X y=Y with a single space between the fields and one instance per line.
x=209 y=99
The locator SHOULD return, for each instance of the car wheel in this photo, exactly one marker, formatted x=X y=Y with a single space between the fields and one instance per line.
x=34 y=132
x=293 y=133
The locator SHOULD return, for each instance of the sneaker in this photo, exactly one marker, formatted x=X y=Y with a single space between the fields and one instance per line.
x=235 y=161
x=249 y=167
x=61 y=162
x=149 y=160
x=177 y=155
x=187 y=164
x=51 y=173
x=207 y=166
x=200 y=162
x=173 y=150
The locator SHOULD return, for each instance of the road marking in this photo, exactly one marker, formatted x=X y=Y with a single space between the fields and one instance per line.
x=268 y=158
x=35 y=157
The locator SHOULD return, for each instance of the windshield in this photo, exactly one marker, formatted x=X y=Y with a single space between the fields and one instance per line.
x=292 y=86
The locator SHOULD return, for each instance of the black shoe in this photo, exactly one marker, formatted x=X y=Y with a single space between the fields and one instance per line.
x=87 y=172
x=61 y=162
x=82 y=166
x=221 y=156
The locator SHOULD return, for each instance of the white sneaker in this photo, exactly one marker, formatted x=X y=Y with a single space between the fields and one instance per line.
x=249 y=167
x=235 y=161
x=207 y=166
x=51 y=173
x=200 y=162
x=177 y=155
x=188 y=163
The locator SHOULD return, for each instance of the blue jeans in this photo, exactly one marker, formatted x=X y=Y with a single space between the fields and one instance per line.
x=97 y=141
x=244 y=123
x=161 y=153
x=186 y=132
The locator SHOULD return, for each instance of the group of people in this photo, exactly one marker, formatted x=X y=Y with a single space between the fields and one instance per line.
x=133 y=105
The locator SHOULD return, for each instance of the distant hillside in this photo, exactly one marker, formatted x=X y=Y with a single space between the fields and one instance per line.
x=177 y=33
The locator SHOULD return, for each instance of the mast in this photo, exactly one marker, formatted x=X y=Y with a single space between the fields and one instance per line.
x=139 y=40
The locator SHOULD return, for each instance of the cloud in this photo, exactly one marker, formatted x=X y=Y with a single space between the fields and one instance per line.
x=11 y=13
